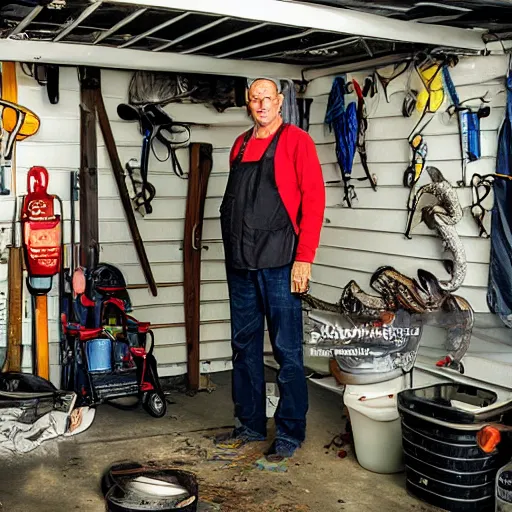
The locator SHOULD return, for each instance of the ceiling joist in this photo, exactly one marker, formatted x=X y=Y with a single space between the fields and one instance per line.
x=83 y=16
x=119 y=25
x=224 y=38
x=326 y=18
x=188 y=35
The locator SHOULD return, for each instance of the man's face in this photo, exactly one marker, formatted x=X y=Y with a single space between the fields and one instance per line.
x=264 y=102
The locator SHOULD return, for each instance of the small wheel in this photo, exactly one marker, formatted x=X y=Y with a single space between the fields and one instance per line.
x=155 y=404
x=408 y=178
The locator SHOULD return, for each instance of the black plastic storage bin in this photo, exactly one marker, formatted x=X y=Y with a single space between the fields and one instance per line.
x=443 y=463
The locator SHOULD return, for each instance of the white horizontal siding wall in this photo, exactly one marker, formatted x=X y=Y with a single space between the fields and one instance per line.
x=355 y=242
x=57 y=147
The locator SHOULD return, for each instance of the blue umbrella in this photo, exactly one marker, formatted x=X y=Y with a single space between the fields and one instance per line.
x=345 y=125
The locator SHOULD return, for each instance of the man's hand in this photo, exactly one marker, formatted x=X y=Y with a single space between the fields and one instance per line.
x=301 y=274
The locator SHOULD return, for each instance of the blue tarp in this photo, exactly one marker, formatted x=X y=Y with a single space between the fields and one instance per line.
x=499 y=294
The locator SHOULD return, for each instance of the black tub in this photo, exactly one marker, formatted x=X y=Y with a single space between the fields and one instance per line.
x=444 y=465
x=119 y=499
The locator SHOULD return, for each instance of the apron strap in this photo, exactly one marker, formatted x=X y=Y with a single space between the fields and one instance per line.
x=240 y=155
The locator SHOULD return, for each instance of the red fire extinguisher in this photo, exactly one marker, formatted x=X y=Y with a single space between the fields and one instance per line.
x=42 y=233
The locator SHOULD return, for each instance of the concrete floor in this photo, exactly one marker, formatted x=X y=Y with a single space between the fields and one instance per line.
x=65 y=476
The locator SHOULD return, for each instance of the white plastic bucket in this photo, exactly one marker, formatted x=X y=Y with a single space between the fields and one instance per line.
x=376 y=426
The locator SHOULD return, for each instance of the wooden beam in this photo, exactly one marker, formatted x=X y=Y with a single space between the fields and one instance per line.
x=68 y=54
x=90 y=80
x=199 y=173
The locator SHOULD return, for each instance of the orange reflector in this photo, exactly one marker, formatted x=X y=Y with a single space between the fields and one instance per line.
x=488 y=438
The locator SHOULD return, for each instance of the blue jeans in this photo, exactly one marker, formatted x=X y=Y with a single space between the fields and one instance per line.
x=254 y=295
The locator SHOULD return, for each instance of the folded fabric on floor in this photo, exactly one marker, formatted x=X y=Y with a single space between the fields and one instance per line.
x=33 y=410
x=17 y=437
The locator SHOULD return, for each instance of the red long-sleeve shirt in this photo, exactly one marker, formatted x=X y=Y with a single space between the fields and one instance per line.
x=300 y=183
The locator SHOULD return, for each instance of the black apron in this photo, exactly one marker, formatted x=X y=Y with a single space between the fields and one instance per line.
x=256 y=229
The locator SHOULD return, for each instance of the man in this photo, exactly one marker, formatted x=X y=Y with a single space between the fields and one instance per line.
x=271 y=217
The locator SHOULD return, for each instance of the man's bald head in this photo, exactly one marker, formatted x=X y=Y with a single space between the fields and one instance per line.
x=268 y=82
x=264 y=101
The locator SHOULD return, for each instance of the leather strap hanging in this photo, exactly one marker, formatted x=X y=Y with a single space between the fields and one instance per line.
x=118 y=172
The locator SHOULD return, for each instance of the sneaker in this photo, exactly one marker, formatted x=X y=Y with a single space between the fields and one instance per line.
x=279 y=450
x=237 y=438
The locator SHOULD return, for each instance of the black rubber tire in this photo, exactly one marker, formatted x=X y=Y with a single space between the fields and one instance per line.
x=155 y=404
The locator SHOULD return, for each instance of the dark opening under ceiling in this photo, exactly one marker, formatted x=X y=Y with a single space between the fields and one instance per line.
x=103 y=23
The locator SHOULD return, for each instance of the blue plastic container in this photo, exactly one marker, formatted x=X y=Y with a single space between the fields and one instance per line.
x=99 y=355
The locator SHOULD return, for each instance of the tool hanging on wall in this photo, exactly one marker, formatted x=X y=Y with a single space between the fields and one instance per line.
x=478 y=210
x=42 y=248
x=119 y=176
x=362 y=119
x=429 y=100
x=469 y=125
x=410 y=94
x=344 y=123
x=304 y=106
x=71 y=258
x=141 y=193
x=46 y=75
x=201 y=162
x=413 y=173
x=397 y=70
x=18 y=123
x=155 y=124
x=42 y=232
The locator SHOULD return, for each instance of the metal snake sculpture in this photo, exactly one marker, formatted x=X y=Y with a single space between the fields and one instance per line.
x=427 y=298
x=442 y=216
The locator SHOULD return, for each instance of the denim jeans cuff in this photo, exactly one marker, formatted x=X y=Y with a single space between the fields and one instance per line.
x=249 y=434
x=287 y=439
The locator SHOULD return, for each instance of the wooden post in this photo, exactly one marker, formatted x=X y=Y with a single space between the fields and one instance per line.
x=200 y=168
x=13 y=358
x=90 y=81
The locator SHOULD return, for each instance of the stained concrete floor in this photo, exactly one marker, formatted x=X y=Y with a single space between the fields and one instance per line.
x=65 y=476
